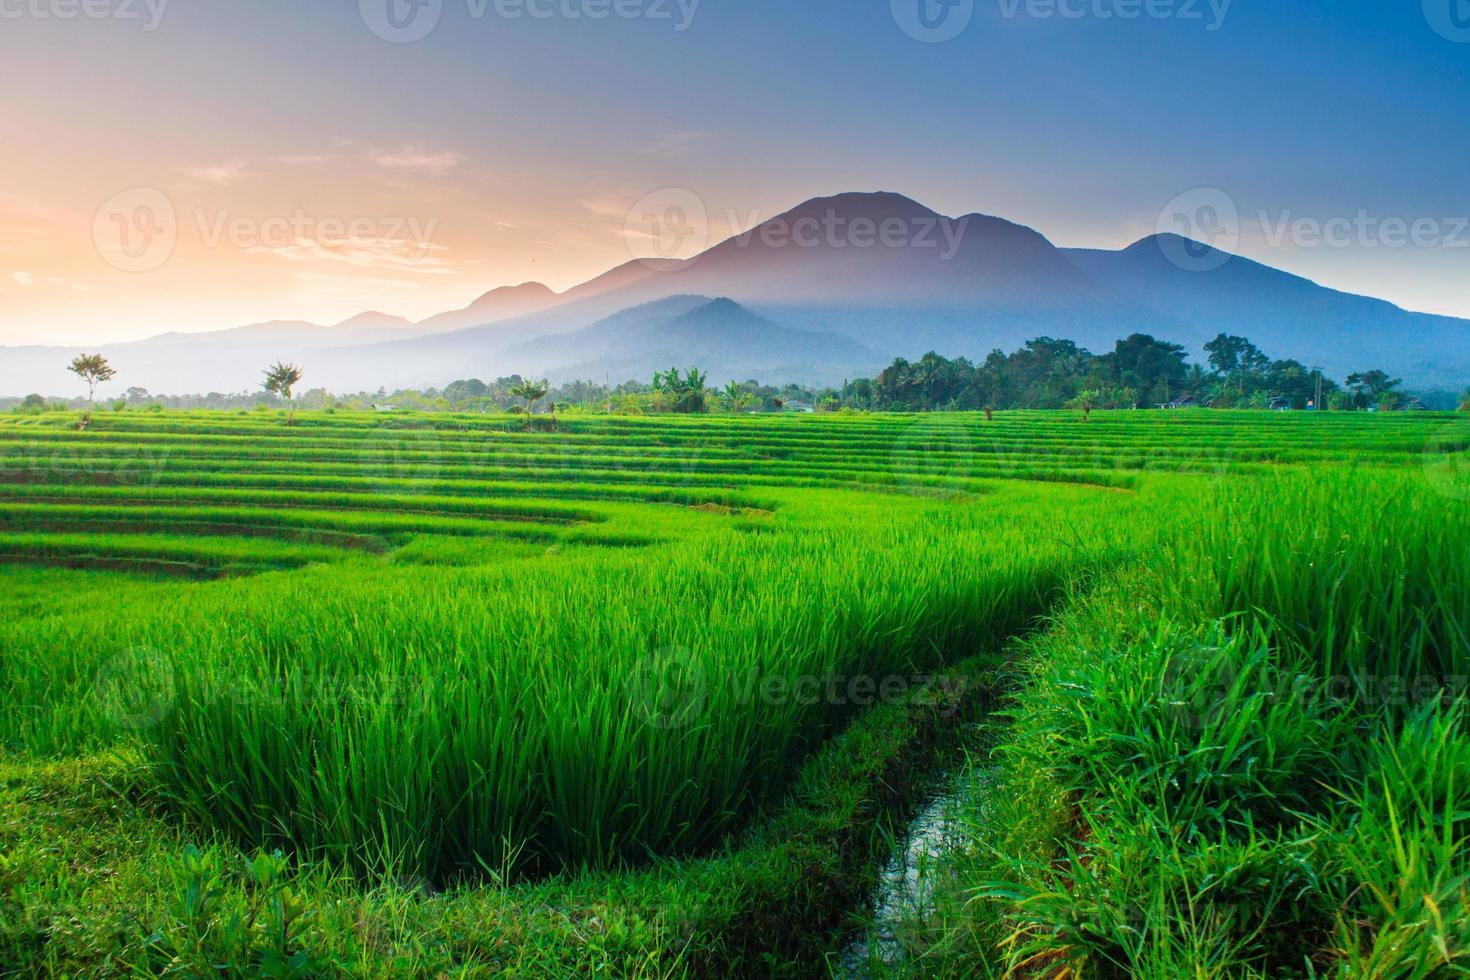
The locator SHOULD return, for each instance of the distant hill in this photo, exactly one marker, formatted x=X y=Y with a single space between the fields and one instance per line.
x=684 y=331
x=873 y=275
x=498 y=304
x=1284 y=314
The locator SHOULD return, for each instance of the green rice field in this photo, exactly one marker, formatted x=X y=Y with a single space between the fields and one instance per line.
x=451 y=695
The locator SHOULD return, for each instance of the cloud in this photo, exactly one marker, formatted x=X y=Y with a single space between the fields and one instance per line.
x=395 y=254
x=409 y=157
x=614 y=210
x=303 y=159
x=31 y=278
x=219 y=174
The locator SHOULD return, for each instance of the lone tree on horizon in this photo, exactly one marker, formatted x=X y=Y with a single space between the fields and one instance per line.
x=279 y=380
x=94 y=370
x=1087 y=400
x=532 y=392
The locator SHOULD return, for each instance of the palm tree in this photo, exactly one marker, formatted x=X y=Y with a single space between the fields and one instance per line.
x=94 y=370
x=279 y=380
x=532 y=392
x=1086 y=400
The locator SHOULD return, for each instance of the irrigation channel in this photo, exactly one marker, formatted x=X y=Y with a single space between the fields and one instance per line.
x=905 y=890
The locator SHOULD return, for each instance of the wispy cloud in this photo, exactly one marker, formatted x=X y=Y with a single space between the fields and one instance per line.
x=21 y=278
x=396 y=254
x=612 y=210
x=417 y=158
x=218 y=174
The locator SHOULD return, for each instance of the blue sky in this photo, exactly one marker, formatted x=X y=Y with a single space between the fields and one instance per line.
x=521 y=138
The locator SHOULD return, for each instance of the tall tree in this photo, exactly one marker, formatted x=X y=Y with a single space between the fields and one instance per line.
x=1154 y=368
x=280 y=378
x=1238 y=361
x=532 y=392
x=94 y=370
x=686 y=394
x=1371 y=387
x=1295 y=381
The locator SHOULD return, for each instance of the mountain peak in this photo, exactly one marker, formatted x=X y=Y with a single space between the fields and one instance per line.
x=1170 y=243
x=722 y=305
x=372 y=318
x=525 y=291
x=501 y=303
x=874 y=205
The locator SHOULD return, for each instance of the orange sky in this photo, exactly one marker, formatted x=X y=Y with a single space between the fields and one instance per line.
x=408 y=229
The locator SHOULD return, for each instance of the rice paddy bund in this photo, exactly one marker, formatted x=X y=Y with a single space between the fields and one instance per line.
x=437 y=694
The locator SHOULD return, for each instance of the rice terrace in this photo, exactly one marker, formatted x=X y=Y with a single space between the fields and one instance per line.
x=459 y=695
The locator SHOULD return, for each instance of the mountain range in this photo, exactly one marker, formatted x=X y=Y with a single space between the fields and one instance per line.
x=820 y=293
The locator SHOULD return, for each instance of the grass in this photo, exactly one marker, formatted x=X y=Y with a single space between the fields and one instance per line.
x=99 y=882
x=631 y=696
x=1245 y=759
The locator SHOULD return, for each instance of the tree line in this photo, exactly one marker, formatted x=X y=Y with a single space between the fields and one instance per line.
x=1140 y=372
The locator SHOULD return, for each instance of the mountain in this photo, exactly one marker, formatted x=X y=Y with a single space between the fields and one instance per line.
x=956 y=284
x=1209 y=292
x=684 y=331
x=883 y=250
x=216 y=360
x=232 y=359
x=871 y=274
x=372 y=321
x=879 y=269
x=504 y=303
x=619 y=277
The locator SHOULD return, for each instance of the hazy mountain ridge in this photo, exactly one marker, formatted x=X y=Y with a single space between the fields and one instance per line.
x=817 y=286
x=729 y=340
x=1288 y=315
x=498 y=304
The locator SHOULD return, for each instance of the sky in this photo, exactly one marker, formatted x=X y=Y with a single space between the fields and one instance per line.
x=201 y=164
